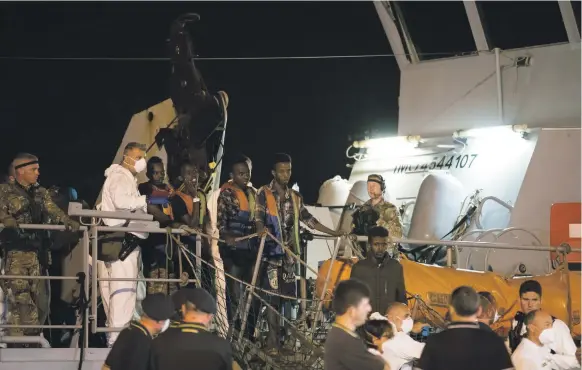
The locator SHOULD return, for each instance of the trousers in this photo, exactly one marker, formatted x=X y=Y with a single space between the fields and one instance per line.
x=159 y=266
x=239 y=264
x=119 y=297
x=22 y=294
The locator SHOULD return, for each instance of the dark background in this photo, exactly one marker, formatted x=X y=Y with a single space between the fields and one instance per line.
x=73 y=114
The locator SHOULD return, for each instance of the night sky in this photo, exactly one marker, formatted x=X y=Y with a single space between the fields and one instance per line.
x=73 y=114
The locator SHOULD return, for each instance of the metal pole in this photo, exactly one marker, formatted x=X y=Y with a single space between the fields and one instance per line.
x=41 y=327
x=566 y=271
x=320 y=304
x=40 y=277
x=94 y=250
x=252 y=289
x=86 y=283
x=454 y=243
x=449 y=256
x=161 y=280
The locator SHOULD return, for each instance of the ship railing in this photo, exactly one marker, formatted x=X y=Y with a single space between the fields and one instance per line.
x=90 y=244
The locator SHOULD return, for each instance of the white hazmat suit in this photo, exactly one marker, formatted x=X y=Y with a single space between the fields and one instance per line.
x=120 y=193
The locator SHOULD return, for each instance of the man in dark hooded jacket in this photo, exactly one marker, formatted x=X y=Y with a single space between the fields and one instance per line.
x=383 y=274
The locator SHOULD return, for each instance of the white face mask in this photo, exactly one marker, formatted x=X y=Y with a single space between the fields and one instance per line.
x=407 y=325
x=547 y=336
x=140 y=165
x=496 y=317
x=166 y=326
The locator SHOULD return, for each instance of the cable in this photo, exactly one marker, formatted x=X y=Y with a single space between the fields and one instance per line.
x=165 y=59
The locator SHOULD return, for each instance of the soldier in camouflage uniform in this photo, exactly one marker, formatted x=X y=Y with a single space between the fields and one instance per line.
x=25 y=202
x=378 y=212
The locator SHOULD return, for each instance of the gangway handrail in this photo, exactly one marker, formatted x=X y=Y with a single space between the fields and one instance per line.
x=502 y=203
x=89 y=243
x=469 y=244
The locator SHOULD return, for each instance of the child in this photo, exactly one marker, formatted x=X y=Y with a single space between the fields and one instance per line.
x=378 y=330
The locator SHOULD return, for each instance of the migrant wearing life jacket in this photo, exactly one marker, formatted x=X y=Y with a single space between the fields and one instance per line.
x=161 y=197
x=243 y=223
x=273 y=224
x=189 y=201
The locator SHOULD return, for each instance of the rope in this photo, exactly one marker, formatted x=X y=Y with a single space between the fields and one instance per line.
x=286 y=249
x=166 y=59
x=187 y=251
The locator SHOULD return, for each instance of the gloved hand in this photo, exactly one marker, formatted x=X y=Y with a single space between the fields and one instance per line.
x=71 y=225
x=10 y=222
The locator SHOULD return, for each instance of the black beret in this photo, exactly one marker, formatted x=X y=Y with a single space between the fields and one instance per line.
x=200 y=298
x=178 y=298
x=158 y=307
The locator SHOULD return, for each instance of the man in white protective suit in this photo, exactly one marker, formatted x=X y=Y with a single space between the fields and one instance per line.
x=534 y=350
x=120 y=193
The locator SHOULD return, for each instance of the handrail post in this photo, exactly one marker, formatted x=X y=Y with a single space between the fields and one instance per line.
x=320 y=304
x=252 y=288
x=94 y=250
x=86 y=287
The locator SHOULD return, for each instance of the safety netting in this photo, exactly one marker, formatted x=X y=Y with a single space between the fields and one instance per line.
x=270 y=330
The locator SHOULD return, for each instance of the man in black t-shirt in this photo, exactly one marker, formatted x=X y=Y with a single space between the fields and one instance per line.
x=344 y=349
x=463 y=345
x=131 y=350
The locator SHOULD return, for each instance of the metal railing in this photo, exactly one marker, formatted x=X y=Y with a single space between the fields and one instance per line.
x=90 y=246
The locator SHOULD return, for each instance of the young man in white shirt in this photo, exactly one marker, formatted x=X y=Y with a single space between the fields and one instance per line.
x=530 y=299
x=401 y=350
x=533 y=352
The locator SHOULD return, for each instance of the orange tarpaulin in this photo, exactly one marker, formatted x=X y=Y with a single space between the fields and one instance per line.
x=433 y=284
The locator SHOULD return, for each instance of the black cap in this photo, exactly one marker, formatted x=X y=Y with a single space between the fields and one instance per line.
x=158 y=307
x=198 y=297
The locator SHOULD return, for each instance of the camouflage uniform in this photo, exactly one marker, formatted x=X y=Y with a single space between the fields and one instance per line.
x=31 y=205
x=388 y=218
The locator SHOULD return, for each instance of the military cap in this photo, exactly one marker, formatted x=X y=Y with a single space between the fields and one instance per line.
x=200 y=298
x=158 y=307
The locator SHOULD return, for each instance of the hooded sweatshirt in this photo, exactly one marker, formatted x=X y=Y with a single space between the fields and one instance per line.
x=120 y=193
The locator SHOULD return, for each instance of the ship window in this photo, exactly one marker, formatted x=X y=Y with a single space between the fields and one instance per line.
x=438 y=29
x=518 y=24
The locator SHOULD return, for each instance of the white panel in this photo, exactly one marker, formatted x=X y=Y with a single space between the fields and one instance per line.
x=530 y=174
x=575 y=231
x=441 y=96
x=496 y=165
x=553 y=176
